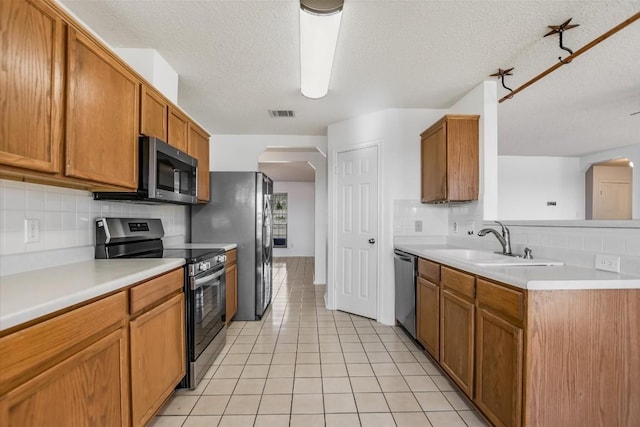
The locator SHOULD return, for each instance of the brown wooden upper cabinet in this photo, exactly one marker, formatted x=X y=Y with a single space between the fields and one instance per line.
x=154 y=113
x=450 y=160
x=31 y=86
x=178 y=135
x=199 y=148
x=102 y=115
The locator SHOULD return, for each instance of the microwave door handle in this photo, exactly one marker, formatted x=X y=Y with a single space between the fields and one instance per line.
x=197 y=283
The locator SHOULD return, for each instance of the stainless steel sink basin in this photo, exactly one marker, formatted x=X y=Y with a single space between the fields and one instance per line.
x=492 y=259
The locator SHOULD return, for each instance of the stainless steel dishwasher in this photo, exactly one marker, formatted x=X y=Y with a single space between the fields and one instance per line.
x=405 y=279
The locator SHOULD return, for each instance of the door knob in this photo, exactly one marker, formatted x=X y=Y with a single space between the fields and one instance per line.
x=372 y=241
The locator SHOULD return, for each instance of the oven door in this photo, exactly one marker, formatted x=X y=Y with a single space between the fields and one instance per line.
x=207 y=299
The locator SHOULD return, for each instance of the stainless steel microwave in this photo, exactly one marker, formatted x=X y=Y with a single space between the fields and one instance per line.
x=165 y=174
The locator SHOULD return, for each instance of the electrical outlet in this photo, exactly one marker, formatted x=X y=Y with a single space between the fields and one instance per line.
x=418 y=226
x=31 y=230
x=608 y=263
x=455 y=227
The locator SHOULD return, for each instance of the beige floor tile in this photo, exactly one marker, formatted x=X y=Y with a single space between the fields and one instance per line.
x=307 y=385
x=211 y=405
x=445 y=419
x=237 y=420
x=334 y=370
x=285 y=348
x=259 y=359
x=336 y=385
x=168 y=421
x=433 y=401
x=374 y=347
x=287 y=339
x=473 y=419
x=249 y=386
x=409 y=368
x=243 y=405
x=230 y=371
x=352 y=347
x=309 y=371
x=308 y=339
x=278 y=386
x=355 y=357
x=329 y=339
x=458 y=401
x=283 y=359
x=348 y=338
x=443 y=383
x=211 y=371
x=411 y=419
x=272 y=421
x=313 y=357
x=331 y=357
x=421 y=383
x=402 y=402
x=220 y=386
x=307 y=404
x=377 y=420
x=359 y=370
x=330 y=347
x=385 y=369
x=402 y=356
x=339 y=403
x=379 y=357
x=342 y=420
x=307 y=420
x=275 y=404
x=371 y=402
x=255 y=371
x=202 y=386
x=432 y=369
x=245 y=339
x=263 y=348
x=281 y=371
x=202 y=421
x=420 y=356
x=365 y=384
x=393 y=384
x=240 y=348
x=179 y=405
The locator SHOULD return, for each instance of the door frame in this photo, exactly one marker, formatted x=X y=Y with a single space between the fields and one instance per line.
x=331 y=301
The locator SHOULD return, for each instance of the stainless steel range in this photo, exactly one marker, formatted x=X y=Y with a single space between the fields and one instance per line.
x=205 y=287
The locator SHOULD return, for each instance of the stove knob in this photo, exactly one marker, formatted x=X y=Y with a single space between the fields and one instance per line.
x=202 y=266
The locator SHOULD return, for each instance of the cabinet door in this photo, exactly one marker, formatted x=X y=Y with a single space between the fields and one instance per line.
x=89 y=388
x=153 y=113
x=158 y=358
x=199 y=148
x=178 y=130
x=31 y=85
x=102 y=115
x=232 y=292
x=499 y=369
x=428 y=316
x=456 y=339
x=434 y=165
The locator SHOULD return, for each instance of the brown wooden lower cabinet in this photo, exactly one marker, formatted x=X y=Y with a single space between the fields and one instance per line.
x=157 y=357
x=428 y=316
x=231 y=279
x=457 y=339
x=499 y=357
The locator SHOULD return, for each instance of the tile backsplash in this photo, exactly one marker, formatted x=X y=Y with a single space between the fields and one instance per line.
x=66 y=219
x=434 y=218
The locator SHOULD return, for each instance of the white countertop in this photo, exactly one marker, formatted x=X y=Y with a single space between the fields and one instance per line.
x=225 y=246
x=533 y=278
x=27 y=296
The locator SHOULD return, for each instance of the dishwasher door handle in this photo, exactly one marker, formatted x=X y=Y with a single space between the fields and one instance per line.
x=403 y=257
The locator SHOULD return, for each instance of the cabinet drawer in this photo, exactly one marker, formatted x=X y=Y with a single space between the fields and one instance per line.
x=457 y=281
x=27 y=352
x=501 y=299
x=155 y=289
x=232 y=256
x=429 y=270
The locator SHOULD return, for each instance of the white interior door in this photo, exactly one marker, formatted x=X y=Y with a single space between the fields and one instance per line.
x=356 y=280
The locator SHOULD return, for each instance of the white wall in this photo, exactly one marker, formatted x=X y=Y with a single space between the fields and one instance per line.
x=527 y=183
x=245 y=152
x=67 y=224
x=397 y=134
x=154 y=68
x=301 y=218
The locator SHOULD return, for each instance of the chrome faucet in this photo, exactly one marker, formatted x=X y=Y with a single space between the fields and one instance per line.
x=504 y=239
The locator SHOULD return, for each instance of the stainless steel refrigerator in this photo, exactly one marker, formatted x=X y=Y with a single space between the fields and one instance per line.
x=239 y=211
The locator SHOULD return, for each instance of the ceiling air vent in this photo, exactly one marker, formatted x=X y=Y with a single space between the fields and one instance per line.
x=282 y=113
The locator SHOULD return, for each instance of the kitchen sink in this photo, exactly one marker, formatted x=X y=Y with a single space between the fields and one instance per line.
x=492 y=259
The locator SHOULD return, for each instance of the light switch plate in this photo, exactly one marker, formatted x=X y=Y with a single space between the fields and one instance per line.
x=418 y=226
x=31 y=230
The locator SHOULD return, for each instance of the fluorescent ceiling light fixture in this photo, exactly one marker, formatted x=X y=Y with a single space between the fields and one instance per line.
x=319 y=26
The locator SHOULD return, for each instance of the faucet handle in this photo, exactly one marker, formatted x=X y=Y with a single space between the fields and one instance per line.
x=527 y=254
x=504 y=229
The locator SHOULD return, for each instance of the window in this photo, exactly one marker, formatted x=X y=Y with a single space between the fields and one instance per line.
x=280 y=220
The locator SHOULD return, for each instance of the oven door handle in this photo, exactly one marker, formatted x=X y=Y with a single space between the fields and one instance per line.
x=197 y=283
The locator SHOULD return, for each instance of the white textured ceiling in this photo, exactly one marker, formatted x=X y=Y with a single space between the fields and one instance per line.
x=237 y=59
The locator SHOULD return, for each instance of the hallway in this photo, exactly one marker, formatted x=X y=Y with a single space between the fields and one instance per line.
x=303 y=365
